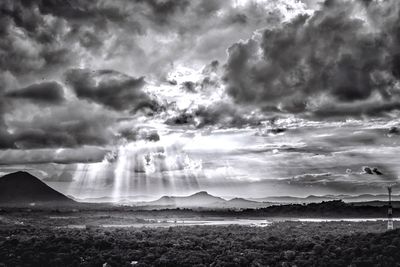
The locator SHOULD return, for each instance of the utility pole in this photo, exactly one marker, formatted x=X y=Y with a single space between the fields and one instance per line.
x=390 y=210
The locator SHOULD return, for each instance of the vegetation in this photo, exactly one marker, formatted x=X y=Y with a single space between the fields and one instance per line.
x=334 y=208
x=281 y=244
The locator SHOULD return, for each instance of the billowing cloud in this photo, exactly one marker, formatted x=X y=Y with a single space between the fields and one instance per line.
x=219 y=114
x=48 y=36
x=128 y=132
x=343 y=53
x=70 y=125
x=47 y=156
x=46 y=92
x=110 y=88
x=30 y=42
x=103 y=92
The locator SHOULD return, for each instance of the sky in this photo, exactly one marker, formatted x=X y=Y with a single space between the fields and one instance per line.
x=170 y=97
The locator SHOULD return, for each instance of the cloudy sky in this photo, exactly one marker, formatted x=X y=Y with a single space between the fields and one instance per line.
x=238 y=98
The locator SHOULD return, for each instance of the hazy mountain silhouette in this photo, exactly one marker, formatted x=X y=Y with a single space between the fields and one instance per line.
x=315 y=199
x=204 y=200
x=23 y=188
x=123 y=199
x=242 y=203
x=200 y=199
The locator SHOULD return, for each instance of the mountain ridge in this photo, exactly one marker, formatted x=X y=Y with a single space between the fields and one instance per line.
x=201 y=198
x=23 y=188
x=314 y=198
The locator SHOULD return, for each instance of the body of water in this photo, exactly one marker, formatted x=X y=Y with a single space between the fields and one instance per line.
x=223 y=222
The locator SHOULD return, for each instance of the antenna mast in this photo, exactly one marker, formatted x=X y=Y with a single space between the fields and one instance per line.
x=390 y=211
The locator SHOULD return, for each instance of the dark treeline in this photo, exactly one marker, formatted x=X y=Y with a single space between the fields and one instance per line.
x=334 y=208
x=281 y=244
x=331 y=209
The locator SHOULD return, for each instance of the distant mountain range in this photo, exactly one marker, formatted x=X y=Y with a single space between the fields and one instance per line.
x=312 y=198
x=199 y=199
x=24 y=188
x=120 y=200
x=202 y=200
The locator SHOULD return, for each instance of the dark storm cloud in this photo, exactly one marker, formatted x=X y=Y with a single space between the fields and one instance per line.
x=208 y=81
x=337 y=56
x=161 y=10
x=211 y=67
x=129 y=133
x=71 y=135
x=211 y=77
x=189 y=86
x=372 y=109
x=218 y=114
x=46 y=92
x=108 y=87
x=30 y=43
x=39 y=40
x=45 y=156
x=72 y=124
x=123 y=13
x=46 y=36
x=182 y=118
x=225 y=115
x=81 y=10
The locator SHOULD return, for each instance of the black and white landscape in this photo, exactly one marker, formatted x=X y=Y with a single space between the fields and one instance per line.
x=199 y=133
